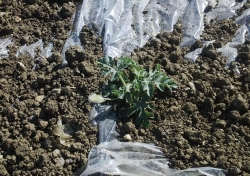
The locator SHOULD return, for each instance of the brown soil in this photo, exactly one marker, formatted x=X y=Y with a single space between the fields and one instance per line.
x=205 y=122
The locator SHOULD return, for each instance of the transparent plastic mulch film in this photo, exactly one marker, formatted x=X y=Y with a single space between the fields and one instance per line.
x=230 y=49
x=3 y=47
x=104 y=117
x=125 y=25
x=137 y=159
x=225 y=9
x=36 y=48
x=192 y=56
x=31 y=49
x=112 y=157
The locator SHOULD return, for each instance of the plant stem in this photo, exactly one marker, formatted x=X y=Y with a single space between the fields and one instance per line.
x=122 y=80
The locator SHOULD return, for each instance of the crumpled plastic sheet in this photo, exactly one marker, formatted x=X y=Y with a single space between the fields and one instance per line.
x=3 y=47
x=244 y=19
x=125 y=25
x=105 y=118
x=192 y=56
x=32 y=49
x=229 y=50
x=192 y=21
x=224 y=10
x=47 y=51
x=73 y=39
x=137 y=159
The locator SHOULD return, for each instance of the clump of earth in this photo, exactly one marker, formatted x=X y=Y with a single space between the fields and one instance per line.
x=205 y=122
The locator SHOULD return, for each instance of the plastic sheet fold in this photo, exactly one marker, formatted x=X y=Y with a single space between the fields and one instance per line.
x=137 y=159
x=3 y=47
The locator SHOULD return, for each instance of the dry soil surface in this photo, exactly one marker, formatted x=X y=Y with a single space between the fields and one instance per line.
x=205 y=122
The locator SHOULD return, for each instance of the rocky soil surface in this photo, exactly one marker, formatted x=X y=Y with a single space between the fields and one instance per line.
x=205 y=122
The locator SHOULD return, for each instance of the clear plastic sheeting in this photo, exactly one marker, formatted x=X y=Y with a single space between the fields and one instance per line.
x=192 y=56
x=125 y=25
x=240 y=34
x=136 y=159
x=192 y=21
x=244 y=19
x=224 y=10
x=32 y=49
x=3 y=47
x=47 y=51
x=229 y=50
x=104 y=117
x=73 y=39
x=125 y=158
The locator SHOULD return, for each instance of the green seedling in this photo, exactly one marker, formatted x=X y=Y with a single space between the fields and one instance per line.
x=128 y=80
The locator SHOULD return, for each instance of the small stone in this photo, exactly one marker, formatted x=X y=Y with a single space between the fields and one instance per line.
x=60 y=162
x=205 y=66
x=42 y=124
x=199 y=85
x=192 y=86
x=127 y=137
x=21 y=66
x=184 y=77
x=17 y=19
x=39 y=98
x=58 y=91
x=56 y=153
x=129 y=127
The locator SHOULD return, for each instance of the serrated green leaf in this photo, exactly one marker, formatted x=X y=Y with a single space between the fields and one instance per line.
x=151 y=106
x=124 y=62
x=107 y=67
x=145 y=123
x=140 y=106
x=130 y=81
x=131 y=110
x=112 y=91
x=143 y=118
x=159 y=79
